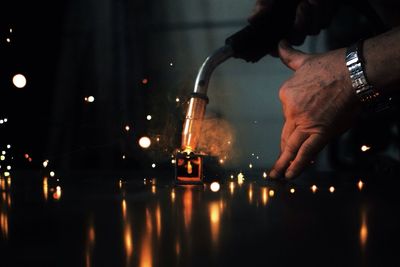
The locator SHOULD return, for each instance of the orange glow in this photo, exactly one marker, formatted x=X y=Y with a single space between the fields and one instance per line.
x=232 y=187
x=264 y=195
x=91 y=235
x=128 y=243
x=158 y=220
x=250 y=193
x=360 y=185
x=271 y=193
x=240 y=178
x=146 y=257
x=153 y=189
x=189 y=168
x=4 y=223
x=45 y=188
x=187 y=206
x=214 y=213
x=145 y=81
x=363 y=229
x=57 y=193
x=2 y=184
x=173 y=195
x=124 y=208
x=314 y=188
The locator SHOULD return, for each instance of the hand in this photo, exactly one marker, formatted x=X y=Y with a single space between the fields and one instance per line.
x=311 y=16
x=318 y=102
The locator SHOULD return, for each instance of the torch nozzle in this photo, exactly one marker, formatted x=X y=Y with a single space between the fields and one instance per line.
x=199 y=100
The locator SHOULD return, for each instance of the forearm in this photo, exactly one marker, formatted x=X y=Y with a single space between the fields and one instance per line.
x=382 y=61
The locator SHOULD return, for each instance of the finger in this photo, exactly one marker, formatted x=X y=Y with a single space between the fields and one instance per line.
x=307 y=151
x=287 y=130
x=291 y=57
x=289 y=153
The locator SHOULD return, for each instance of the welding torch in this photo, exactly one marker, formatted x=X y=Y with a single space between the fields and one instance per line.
x=251 y=43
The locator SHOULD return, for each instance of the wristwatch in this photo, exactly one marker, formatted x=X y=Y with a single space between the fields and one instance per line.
x=368 y=95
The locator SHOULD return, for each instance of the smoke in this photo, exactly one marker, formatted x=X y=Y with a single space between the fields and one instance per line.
x=217 y=138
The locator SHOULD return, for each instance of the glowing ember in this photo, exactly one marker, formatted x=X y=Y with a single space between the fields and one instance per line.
x=144 y=142
x=360 y=185
x=292 y=190
x=215 y=186
x=331 y=189
x=365 y=148
x=221 y=161
x=19 y=81
x=314 y=188
x=232 y=176
x=240 y=178
x=271 y=193
x=45 y=163
x=148 y=117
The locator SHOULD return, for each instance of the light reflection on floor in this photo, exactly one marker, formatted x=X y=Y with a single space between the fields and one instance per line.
x=161 y=224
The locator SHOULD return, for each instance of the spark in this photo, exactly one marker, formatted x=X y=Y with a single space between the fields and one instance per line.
x=173 y=161
x=331 y=189
x=177 y=100
x=1 y=121
x=2 y=157
x=8 y=40
x=3 y=152
x=89 y=99
x=145 y=81
x=5 y=119
x=250 y=165
x=271 y=193
x=148 y=117
x=360 y=185
x=8 y=167
x=171 y=64
x=265 y=175
x=26 y=156
x=215 y=186
x=6 y=174
x=153 y=165
x=52 y=174
x=314 y=188
x=123 y=157
x=144 y=142
x=11 y=30
x=19 y=81
x=365 y=148
x=127 y=128
x=8 y=146
x=240 y=178
x=45 y=163
x=292 y=190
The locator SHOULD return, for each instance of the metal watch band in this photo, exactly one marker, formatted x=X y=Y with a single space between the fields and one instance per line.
x=367 y=94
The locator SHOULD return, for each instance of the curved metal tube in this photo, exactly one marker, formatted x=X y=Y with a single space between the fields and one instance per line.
x=197 y=105
x=211 y=62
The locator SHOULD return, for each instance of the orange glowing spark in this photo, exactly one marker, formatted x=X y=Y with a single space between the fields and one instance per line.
x=189 y=168
x=360 y=185
x=314 y=188
x=271 y=193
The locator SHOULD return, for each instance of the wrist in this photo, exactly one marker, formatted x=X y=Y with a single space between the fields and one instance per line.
x=369 y=96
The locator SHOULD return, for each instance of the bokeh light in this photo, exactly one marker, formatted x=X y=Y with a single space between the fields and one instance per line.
x=144 y=142
x=19 y=81
x=215 y=186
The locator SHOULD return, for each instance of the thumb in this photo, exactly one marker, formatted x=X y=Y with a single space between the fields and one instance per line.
x=291 y=57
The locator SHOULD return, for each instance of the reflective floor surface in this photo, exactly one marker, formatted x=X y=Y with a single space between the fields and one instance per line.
x=94 y=219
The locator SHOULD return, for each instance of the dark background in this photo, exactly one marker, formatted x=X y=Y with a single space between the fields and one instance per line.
x=69 y=50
